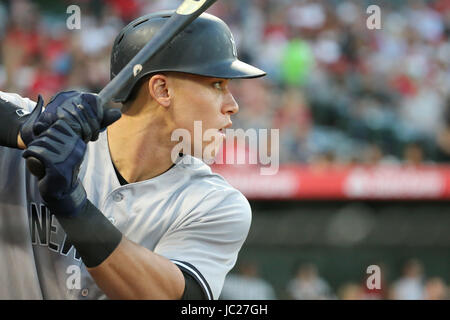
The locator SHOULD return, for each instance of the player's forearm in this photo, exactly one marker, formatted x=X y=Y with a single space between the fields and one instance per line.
x=121 y=268
x=17 y=125
x=10 y=122
x=134 y=272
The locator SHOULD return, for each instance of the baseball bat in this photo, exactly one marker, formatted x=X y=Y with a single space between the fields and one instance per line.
x=187 y=12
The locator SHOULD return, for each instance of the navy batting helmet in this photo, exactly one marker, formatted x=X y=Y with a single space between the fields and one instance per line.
x=206 y=47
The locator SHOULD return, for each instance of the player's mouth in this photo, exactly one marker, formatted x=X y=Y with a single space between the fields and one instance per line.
x=222 y=132
x=223 y=129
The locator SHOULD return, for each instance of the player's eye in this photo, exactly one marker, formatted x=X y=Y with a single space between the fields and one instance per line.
x=218 y=85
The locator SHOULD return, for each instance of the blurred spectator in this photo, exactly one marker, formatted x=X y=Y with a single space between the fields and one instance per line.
x=338 y=92
x=308 y=285
x=333 y=86
x=126 y=9
x=296 y=63
x=323 y=161
x=443 y=135
x=373 y=155
x=443 y=144
x=293 y=118
x=413 y=154
x=436 y=289
x=410 y=286
x=351 y=291
x=247 y=284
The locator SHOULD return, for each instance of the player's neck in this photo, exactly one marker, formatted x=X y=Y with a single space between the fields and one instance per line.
x=137 y=147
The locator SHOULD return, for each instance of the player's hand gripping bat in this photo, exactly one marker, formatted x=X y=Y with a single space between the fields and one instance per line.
x=187 y=12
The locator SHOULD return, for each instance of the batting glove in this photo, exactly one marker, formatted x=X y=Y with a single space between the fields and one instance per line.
x=81 y=111
x=61 y=151
x=26 y=129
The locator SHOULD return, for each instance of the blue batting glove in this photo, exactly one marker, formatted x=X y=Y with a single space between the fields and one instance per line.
x=81 y=111
x=61 y=151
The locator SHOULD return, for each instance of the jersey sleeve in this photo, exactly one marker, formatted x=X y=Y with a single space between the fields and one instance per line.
x=13 y=108
x=207 y=242
x=11 y=161
x=23 y=103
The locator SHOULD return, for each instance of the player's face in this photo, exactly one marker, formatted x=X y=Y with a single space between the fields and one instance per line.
x=202 y=104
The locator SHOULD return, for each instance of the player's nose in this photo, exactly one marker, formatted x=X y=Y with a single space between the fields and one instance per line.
x=230 y=106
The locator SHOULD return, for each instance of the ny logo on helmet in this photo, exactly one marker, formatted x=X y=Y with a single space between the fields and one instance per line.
x=233 y=45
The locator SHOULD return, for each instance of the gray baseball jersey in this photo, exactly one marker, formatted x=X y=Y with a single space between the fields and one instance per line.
x=187 y=214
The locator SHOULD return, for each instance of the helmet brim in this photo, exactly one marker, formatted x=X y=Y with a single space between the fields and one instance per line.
x=232 y=69
x=229 y=69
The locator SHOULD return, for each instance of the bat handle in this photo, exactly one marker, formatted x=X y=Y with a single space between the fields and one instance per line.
x=36 y=167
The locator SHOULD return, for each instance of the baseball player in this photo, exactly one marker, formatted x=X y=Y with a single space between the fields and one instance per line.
x=117 y=217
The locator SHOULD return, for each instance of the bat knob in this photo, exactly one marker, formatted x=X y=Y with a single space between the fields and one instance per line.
x=36 y=167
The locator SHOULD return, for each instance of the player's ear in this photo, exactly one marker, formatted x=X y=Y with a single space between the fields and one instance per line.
x=159 y=90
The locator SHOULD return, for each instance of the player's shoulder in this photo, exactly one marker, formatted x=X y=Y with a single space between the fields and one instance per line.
x=17 y=100
x=212 y=201
x=215 y=197
x=204 y=181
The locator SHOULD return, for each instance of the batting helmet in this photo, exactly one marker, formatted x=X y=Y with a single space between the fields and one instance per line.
x=206 y=47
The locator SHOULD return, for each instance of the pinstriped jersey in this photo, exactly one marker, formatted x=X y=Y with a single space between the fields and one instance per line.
x=188 y=214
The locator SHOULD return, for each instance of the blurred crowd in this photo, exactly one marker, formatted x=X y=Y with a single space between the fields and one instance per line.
x=308 y=284
x=338 y=91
